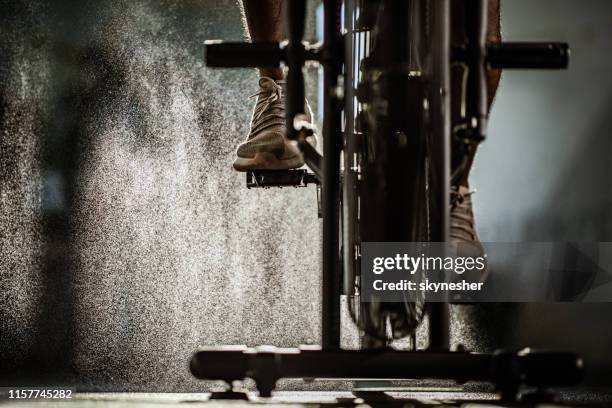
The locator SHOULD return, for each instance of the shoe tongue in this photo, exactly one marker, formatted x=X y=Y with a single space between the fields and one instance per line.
x=270 y=84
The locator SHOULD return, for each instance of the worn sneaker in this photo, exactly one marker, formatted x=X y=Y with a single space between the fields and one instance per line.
x=267 y=146
x=463 y=236
x=462 y=216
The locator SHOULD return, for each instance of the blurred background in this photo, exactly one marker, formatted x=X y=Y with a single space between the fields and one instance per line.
x=127 y=241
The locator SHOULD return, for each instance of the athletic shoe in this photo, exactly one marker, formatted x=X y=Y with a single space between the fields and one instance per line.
x=267 y=146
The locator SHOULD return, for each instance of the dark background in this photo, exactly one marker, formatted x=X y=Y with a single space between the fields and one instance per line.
x=126 y=240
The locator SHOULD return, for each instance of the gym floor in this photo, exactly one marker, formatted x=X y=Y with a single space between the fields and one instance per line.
x=423 y=398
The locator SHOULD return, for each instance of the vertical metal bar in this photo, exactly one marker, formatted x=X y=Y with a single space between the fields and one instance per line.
x=330 y=328
x=439 y=312
x=348 y=229
x=295 y=14
x=476 y=88
x=439 y=321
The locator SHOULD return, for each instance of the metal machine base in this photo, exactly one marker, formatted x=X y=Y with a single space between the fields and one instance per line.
x=507 y=370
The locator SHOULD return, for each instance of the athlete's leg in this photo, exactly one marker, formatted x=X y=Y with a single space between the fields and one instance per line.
x=264 y=20
x=462 y=228
x=266 y=146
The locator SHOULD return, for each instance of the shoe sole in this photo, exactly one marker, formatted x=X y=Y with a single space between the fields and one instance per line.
x=267 y=161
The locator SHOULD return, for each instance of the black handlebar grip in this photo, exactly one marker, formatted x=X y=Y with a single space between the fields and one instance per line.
x=241 y=54
x=525 y=55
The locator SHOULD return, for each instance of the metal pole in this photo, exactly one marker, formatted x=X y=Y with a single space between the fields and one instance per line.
x=330 y=324
x=439 y=312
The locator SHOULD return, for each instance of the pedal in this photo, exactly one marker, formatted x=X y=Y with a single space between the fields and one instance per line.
x=280 y=178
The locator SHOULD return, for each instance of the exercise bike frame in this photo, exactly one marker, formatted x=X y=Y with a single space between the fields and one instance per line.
x=507 y=370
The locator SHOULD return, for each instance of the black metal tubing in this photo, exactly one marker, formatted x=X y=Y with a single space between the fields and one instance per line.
x=525 y=55
x=312 y=158
x=439 y=327
x=508 y=370
x=243 y=55
x=332 y=137
x=295 y=14
x=476 y=100
x=349 y=176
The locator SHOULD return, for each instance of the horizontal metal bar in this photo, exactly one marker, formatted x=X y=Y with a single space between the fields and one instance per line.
x=242 y=54
x=526 y=55
x=270 y=364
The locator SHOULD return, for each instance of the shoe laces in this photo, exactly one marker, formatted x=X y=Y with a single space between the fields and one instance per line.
x=269 y=93
x=461 y=210
x=458 y=198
